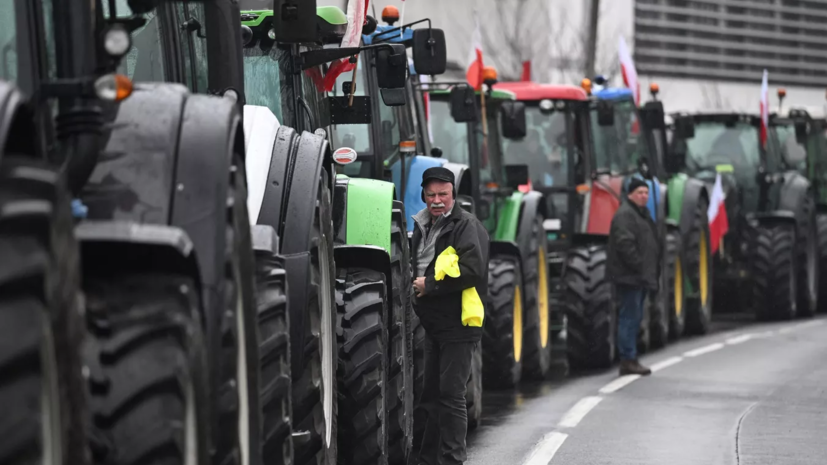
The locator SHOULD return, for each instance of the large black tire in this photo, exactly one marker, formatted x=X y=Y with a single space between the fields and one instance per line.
x=274 y=356
x=697 y=260
x=662 y=311
x=558 y=325
x=473 y=389
x=362 y=334
x=146 y=357
x=42 y=391
x=821 y=222
x=674 y=279
x=774 y=272
x=537 y=352
x=502 y=337
x=808 y=260
x=401 y=373
x=314 y=378
x=420 y=414
x=590 y=309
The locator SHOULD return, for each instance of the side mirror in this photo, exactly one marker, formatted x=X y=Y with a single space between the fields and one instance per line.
x=436 y=152
x=463 y=104
x=391 y=71
x=653 y=115
x=513 y=119
x=430 y=54
x=246 y=35
x=605 y=113
x=516 y=176
x=684 y=128
x=801 y=132
x=294 y=21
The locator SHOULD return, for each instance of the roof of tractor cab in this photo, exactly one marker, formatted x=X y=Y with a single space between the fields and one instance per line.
x=533 y=91
x=498 y=94
x=614 y=93
x=720 y=116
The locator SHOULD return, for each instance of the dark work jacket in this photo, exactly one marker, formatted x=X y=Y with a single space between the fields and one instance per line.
x=634 y=248
x=440 y=308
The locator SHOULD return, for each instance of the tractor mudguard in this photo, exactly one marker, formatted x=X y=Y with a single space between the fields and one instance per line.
x=260 y=129
x=505 y=248
x=530 y=208
x=362 y=212
x=274 y=191
x=694 y=190
x=297 y=266
x=211 y=132
x=137 y=247
x=365 y=256
x=134 y=177
x=12 y=104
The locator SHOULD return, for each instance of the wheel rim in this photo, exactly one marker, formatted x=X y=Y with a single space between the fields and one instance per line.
x=327 y=340
x=241 y=375
x=50 y=428
x=678 y=286
x=542 y=298
x=703 y=263
x=518 y=324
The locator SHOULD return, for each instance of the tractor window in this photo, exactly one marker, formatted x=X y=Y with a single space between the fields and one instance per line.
x=145 y=60
x=793 y=153
x=355 y=136
x=8 y=41
x=544 y=149
x=263 y=81
x=195 y=46
x=391 y=129
x=450 y=136
x=618 y=148
x=717 y=143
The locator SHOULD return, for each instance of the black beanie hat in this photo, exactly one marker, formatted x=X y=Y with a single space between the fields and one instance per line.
x=635 y=183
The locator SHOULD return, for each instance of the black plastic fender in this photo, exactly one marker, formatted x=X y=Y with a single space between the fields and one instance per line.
x=297 y=267
x=694 y=191
x=13 y=121
x=529 y=209
x=139 y=247
x=365 y=256
x=134 y=176
x=505 y=248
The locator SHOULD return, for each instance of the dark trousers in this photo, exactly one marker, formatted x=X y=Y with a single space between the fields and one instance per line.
x=630 y=315
x=447 y=368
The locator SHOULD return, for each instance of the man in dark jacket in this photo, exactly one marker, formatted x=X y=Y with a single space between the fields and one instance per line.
x=633 y=268
x=449 y=344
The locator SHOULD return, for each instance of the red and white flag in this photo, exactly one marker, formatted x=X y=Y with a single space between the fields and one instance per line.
x=357 y=11
x=718 y=222
x=765 y=109
x=627 y=68
x=475 y=64
x=526 y=71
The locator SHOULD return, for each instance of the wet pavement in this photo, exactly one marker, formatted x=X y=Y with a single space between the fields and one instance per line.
x=744 y=394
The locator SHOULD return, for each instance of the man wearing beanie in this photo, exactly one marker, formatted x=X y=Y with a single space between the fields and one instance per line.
x=632 y=266
x=449 y=341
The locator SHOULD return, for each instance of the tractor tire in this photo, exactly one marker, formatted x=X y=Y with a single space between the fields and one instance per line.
x=420 y=414
x=697 y=261
x=147 y=363
x=315 y=398
x=774 y=272
x=362 y=334
x=821 y=223
x=808 y=260
x=662 y=311
x=42 y=394
x=590 y=311
x=537 y=347
x=559 y=336
x=502 y=337
x=274 y=355
x=401 y=362
x=473 y=389
x=674 y=280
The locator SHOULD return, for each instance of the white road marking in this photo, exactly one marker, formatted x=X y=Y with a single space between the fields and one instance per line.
x=666 y=363
x=618 y=384
x=579 y=411
x=764 y=334
x=704 y=350
x=545 y=449
x=739 y=339
x=786 y=330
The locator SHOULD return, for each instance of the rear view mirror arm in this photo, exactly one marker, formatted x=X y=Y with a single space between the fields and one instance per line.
x=312 y=58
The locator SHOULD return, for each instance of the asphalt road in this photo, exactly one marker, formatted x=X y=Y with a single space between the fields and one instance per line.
x=753 y=395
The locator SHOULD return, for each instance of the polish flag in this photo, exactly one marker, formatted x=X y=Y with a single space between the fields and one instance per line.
x=765 y=109
x=357 y=11
x=526 y=71
x=475 y=65
x=627 y=68
x=718 y=222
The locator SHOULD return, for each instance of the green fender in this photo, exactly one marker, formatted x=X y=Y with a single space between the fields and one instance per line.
x=675 y=190
x=369 y=209
x=508 y=220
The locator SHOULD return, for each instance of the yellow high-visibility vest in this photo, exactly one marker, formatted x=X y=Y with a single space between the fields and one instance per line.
x=447 y=264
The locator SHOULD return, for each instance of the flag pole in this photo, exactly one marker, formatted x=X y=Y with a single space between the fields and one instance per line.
x=484 y=113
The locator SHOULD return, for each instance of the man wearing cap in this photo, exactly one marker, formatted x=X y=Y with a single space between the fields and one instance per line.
x=449 y=343
x=632 y=266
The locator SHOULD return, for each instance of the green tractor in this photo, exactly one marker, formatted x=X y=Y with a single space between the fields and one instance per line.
x=769 y=257
x=167 y=275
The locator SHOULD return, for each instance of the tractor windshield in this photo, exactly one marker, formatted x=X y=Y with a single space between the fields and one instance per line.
x=355 y=136
x=8 y=41
x=544 y=149
x=448 y=135
x=263 y=81
x=619 y=147
x=718 y=143
x=793 y=153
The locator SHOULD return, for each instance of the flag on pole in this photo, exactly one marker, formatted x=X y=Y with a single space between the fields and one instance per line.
x=402 y=19
x=718 y=221
x=475 y=64
x=526 y=71
x=765 y=109
x=627 y=69
x=357 y=11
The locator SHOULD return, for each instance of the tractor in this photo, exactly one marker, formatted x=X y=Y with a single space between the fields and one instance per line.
x=157 y=178
x=769 y=257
